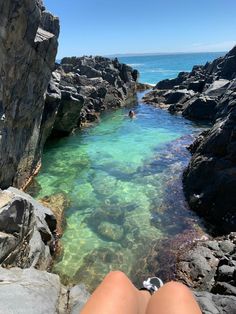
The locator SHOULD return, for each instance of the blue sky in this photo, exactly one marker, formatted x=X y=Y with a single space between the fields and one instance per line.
x=106 y=27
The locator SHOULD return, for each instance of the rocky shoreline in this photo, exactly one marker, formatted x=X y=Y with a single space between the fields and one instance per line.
x=39 y=99
x=28 y=242
x=208 y=94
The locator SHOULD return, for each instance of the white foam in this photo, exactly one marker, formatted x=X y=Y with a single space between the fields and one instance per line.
x=135 y=64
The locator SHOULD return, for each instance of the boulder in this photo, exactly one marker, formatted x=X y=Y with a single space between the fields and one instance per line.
x=209 y=268
x=30 y=291
x=197 y=86
x=217 y=88
x=110 y=231
x=27 y=231
x=175 y=96
x=216 y=304
x=200 y=108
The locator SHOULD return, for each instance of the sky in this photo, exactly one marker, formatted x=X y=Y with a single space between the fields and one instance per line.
x=107 y=27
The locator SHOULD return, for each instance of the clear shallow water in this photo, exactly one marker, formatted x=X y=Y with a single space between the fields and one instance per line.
x=116 y=175
x=154 y=68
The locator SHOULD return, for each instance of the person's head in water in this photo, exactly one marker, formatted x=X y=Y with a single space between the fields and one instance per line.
x=131 y=114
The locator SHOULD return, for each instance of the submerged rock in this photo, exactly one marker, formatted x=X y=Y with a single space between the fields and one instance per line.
x=110 y=231
x=57 y=203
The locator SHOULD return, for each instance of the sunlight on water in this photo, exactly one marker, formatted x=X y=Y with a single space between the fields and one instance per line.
x=115 y=175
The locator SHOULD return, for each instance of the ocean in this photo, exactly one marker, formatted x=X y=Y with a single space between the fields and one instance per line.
x=154 y=68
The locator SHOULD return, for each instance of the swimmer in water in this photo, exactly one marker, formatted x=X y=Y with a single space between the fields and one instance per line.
x=132 y=114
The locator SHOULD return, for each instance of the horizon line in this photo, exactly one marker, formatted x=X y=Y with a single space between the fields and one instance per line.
x=130 y=54
x=159 y=53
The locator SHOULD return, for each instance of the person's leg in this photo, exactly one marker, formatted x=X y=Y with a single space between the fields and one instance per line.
x=173 y=298
x=117 y=295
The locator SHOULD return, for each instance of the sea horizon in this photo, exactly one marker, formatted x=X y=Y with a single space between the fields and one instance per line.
x=140 y=54
x=154 y=67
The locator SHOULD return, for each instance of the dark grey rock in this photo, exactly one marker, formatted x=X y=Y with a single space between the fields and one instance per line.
x=197 y=86
x=212 y=279
x=173 y=97
x=27 y=231
x=225 y=273
x=88 y=85
x=200 y=108
x=216 y=304
x=27 y=60
x=224 y=288
x=227 y=246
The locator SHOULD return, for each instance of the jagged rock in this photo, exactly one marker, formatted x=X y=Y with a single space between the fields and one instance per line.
x=216 y=304
x=57 y=203
x=217 y=88
x=28 y=45
x=173 y=97
x=26 y=231
x=88 y=85
x=211 y=266
x=209 y=180
x=211 y=80
x=200 y=108
x=30 y=291
x=208 y=263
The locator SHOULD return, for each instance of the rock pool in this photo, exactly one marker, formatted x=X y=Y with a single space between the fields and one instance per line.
x=117 y=176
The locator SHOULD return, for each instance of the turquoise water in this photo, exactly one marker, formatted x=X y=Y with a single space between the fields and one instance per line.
x=154 y=68
x=117 y=175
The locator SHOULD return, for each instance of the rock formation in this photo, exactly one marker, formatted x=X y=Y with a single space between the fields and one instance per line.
x=27 y=243
x=81 y=88
x=27 y=229
x=210 y=267
x=28 y=46
x=31 y=291
x=208 y=93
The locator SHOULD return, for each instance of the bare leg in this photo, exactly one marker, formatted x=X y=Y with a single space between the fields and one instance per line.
x=117 y=295
x=173 y=298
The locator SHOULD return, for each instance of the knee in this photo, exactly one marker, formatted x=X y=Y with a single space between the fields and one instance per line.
x=177 y=290
x=117 y=277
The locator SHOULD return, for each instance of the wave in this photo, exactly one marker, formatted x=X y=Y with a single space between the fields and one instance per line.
x=135 y=64
x=166 y=71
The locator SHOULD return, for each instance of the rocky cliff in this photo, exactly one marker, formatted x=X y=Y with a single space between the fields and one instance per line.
x=28 y=46
x=208 y=93
x=80 y=88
